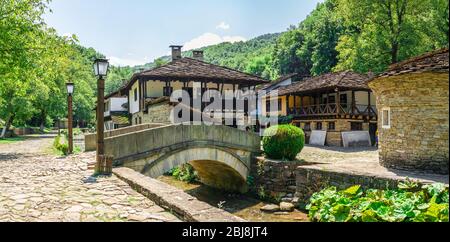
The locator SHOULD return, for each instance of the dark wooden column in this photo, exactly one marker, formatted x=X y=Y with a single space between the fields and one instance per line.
x=295 y=103
x=301 y=105
x=338 y=102
x=287 y=104
x=353 y=102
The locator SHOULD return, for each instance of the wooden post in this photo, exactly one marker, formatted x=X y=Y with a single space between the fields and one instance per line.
x=338 y=102
x=100 y=122
x=287 y=104
x=105 y=166
x=301 y=105
x=353 y=102
x=70 y=123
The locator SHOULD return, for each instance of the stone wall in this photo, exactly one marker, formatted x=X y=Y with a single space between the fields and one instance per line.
x=274 y=180
x=310 y=179
x=90 y=140
x=182 y=204
x=157 y=113
x=296 y=182
x=418 y=135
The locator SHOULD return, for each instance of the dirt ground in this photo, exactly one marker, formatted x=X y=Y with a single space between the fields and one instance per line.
x=338 y=154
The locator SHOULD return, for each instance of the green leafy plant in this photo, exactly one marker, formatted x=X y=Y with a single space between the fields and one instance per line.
x=283 y=142
x=185 y=173
x=262 y=193
x=75 y=132
x=428 y=204
x=61 y=147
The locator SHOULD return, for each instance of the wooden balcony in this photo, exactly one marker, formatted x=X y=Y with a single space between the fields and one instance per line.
x=333 y=109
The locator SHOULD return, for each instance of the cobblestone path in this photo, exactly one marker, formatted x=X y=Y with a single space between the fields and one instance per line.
x=37 y=186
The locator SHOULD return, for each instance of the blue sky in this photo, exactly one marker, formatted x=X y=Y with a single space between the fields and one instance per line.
x=132 y=32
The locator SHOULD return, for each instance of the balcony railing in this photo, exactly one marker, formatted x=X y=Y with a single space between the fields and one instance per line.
x=333 y=109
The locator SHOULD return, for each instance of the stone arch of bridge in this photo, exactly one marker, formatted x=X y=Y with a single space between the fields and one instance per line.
x=216 y=166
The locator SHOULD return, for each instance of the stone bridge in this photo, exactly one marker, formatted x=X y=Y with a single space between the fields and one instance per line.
x=221 y=155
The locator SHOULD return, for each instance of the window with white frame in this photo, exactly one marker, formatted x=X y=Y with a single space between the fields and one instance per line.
x=386 y=118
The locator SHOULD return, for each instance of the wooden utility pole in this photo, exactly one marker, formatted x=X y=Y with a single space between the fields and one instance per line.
x=70 y=123
x=100 y=121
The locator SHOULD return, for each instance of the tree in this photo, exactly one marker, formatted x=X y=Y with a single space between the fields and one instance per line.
x=380 y=33
x=20 y=22
x=117 y=77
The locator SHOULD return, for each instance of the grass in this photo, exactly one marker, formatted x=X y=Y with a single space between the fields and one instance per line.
x=11 y=140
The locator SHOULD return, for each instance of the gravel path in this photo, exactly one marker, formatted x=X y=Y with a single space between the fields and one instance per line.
x=37 y=186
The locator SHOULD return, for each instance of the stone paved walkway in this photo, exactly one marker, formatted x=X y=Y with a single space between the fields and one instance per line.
x=363 y=161
x=35 y=186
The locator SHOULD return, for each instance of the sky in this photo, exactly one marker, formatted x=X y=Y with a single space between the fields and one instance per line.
x=135 y=32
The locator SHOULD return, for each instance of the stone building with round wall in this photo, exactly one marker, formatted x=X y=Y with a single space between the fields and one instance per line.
x=413 y=105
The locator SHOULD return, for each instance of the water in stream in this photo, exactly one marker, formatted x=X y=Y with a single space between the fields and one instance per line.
x=240 y=205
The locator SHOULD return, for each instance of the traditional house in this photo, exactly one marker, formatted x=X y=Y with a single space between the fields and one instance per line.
x=413 y=101
x=149 y=91
x=335 y=103
x=283 y=81
x=116 y=111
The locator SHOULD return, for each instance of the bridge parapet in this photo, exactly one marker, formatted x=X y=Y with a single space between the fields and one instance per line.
x=90 y=140
x=221 y=155
x=157 y=138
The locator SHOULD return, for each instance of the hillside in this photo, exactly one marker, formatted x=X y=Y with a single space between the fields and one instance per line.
x=252 y=56
x=237 y=55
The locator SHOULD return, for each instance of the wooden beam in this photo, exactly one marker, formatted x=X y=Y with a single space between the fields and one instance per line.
x=353 y=102
x=338 y=102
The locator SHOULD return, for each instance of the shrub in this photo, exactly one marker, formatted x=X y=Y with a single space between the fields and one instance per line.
x=427 y=204
x=62 y=147
x=283 y=142
x=185 y=173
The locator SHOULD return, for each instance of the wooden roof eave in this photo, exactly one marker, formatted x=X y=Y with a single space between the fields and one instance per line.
x=331 y=89
x=244 y=82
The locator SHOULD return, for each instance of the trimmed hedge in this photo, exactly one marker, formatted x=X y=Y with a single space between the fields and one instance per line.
x=283 y=142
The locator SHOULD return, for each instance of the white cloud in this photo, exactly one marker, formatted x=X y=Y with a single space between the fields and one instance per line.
x=223 y=26
x=117 y=61
x=208 y=39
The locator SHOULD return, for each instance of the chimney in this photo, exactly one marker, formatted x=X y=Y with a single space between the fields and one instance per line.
x=198 y=54
x=176 y=52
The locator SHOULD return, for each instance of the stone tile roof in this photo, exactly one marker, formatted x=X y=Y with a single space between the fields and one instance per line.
x=346 y=80
x=189 y=69
x=281 y=79
x=436 y=61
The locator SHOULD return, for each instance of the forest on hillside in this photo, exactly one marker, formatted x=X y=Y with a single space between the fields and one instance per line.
x=359 y=35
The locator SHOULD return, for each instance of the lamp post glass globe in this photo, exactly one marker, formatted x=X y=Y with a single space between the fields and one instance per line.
x=70 y=88
x=101 y=67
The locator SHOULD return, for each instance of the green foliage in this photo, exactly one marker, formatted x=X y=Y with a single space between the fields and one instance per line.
x=429 y=204
x=36 y=63
x=361 y=36
x=185 y=173
x=63 y=148
x=380 y=33
x=283 y=142
x=11 y=140
x=118 y=77
x=75 y=132
x=250 y=181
